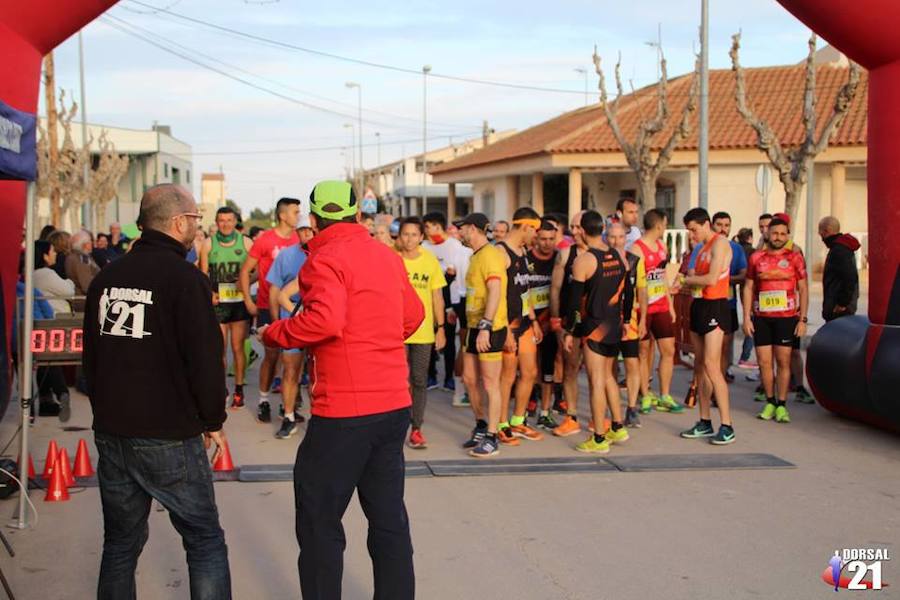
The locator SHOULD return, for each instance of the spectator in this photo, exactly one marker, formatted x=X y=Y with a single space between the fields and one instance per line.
x=193 y=255
x=150 y=329
x=80 y=267
x=840 y=280
x=255 y=231
x=45 y=232
x=102 y=252
x=383 y=234
x=60 y=240
x=48 y=280
x=501 y=228
x=118 y=241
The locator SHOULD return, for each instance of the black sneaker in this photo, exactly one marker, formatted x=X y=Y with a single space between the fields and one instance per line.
x=48 y=407
x=288 y=428
x=476 y=439
x=632 y=418
x=264 y=412
x=65 y=407
x=547 y=422
x=724 y=437
x=298 y=418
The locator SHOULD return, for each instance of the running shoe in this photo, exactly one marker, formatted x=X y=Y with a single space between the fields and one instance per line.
x=486 y=448
x=65 y=407
x=729 y=376
x=667 y=404
x=616 y=437
x=252 y=357
x=592 y=446
x=632 y=417
x=264 y=412
x=505 y=436
x=526 y=432
x=287 y=429
x=724 y=437
x=748 y=364
x=461 y=400
x=781 y=415
x=547 y=422
x=752 y=376
x=699 y=430
x=276 y=385
x=569 y=426
x=803 y=396
x=759 y=395
x=768 y=412
x=449 y=385
x=237 y=400
x=532 y=408
x=648 y=401
x=417 y=440
x=432 y=383
x=476 y=439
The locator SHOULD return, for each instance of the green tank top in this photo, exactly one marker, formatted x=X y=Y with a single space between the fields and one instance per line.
x=224 y=268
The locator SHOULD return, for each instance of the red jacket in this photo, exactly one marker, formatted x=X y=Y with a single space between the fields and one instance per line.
x=358 y=308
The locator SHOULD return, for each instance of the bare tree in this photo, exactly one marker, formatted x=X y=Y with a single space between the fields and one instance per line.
x=793 y=164
x=646 y=165
x=104 y=181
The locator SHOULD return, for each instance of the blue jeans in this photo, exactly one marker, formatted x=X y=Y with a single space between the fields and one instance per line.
x=134 y=471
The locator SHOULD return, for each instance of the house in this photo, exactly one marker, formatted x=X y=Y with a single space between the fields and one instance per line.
x=573 y=161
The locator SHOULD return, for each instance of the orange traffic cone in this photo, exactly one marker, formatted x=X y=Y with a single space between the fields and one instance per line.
x=52 y=453
x=83 y=466
x=57 y=490
x=31 y=474
x=64 y=467
x=223 y=460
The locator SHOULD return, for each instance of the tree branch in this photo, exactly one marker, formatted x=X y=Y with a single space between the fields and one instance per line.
x=842 y=103
x=610 y=109
x=683 y=130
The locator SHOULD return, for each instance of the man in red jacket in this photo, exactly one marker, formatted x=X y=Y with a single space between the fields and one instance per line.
x=358 y=308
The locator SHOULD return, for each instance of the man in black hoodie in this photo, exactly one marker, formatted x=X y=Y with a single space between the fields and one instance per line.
x=840 y=281
x=153 y=363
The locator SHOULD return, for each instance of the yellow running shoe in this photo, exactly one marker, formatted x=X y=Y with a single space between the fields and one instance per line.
x=616 y=437
x=591 y=446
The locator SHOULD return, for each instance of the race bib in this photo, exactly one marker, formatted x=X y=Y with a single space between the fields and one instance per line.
x=773 y=301
x=656 y=288
x=540 y=297
x=229 y=292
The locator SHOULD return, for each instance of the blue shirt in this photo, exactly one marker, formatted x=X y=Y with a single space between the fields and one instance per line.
x=738 y=264
x=284 y=270
x=42 y=310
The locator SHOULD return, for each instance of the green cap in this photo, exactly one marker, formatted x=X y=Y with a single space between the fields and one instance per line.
x=337 y=193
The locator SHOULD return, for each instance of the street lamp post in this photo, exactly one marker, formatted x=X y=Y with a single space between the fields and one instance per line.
x=584 y=72
x=362 y=183
x=703 y=159
x=425 y=71
x=87 y=215
x=378 y=138
x=352 y=129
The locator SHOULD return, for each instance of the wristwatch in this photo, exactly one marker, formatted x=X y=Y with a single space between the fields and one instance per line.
x=804 y=320
x=484 y=325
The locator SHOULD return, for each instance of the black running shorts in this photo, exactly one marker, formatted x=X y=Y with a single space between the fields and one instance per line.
x=775 y=331
x=707 y=315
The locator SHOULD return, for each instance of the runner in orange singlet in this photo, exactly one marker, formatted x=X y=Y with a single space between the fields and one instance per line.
x=710 y=316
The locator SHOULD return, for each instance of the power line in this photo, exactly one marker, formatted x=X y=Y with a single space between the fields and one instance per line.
x=306 y=149
x=266 y=79
x=241 y=80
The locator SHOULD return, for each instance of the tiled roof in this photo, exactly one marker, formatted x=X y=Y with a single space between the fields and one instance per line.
x=774 y=93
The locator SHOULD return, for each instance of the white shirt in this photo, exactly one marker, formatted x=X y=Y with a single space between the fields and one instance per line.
x=449 y=253
x=52 y=285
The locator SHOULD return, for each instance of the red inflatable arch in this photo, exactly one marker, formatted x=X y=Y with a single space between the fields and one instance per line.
x=854 y=363
x=29 y=29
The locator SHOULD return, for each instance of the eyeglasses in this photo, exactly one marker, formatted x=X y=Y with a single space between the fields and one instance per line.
x=197 y=216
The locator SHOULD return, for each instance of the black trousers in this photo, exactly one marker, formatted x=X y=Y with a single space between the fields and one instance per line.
x=449 y=353
x=336 y=457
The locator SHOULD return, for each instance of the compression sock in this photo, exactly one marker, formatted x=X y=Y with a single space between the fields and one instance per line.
x=480 y=424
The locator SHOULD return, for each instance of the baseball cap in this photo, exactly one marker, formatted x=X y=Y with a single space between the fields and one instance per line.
x=479 y=220
x=337 y=193
x=784 y=217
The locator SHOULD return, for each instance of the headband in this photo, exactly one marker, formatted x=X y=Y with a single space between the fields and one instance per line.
x=536 y=223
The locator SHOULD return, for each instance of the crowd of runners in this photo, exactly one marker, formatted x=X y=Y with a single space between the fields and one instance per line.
x=515 y=310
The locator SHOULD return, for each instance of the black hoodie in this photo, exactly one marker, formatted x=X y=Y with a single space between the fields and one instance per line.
x=840 y=281
x=152 y=345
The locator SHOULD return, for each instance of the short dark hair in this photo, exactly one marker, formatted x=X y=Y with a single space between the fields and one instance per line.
x=764 y=216
x=365 y=216
x=721 y=215
x=696 y=215
x=775 y=222
x=652 y=217
x=322 y=223
x=555 y=218
x=623 y=201
x=413 y=221
x=592 y=223
x=41 y=247
x=254 y=230
x=548 y=225
x=282 y=205
x=239 y=225
x=524 y=212
x=227 y=210
x=46 y=230
x=503 y=222
x=745 y=234
x=438 y=218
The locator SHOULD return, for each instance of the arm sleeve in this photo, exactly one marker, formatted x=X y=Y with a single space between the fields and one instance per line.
x=201 y=339
x=324 y=312
x=494 y=267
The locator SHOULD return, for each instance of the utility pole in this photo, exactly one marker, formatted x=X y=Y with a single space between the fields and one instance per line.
x=362 y=174
x=87 y=216
x=703 y=175
x=52 y=137
x=352 y=127
x=425 y=71
x=378 y=138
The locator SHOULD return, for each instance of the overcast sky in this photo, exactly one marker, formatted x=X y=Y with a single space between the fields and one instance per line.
x=131 y=83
